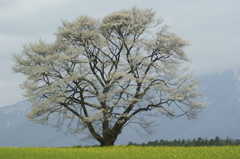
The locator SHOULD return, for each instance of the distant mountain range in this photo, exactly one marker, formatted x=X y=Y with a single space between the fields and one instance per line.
x=221 y=118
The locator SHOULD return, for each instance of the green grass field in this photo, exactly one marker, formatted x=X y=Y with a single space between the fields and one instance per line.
x=122 y=152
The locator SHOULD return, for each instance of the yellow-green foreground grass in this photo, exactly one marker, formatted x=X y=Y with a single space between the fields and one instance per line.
x=124 y=152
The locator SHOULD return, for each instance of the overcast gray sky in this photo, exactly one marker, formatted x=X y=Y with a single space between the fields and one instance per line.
x=211 y=26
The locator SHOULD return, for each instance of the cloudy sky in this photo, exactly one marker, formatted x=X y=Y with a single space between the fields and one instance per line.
x=211 y=26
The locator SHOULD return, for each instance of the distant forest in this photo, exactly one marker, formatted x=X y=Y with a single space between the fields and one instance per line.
x=191 y=142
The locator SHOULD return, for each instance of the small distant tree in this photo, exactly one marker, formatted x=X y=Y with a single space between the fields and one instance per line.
x=199 y=142
x=183 y=142
x=217 y=141
x=100 y=75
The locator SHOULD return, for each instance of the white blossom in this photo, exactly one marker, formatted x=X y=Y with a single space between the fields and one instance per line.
x=99 y=75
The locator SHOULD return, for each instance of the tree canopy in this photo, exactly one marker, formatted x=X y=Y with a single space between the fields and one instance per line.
x=100 y=75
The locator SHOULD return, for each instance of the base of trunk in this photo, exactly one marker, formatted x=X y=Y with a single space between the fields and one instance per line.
x=108 y=143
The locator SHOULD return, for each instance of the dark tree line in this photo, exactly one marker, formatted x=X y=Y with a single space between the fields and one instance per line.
x=191 y=142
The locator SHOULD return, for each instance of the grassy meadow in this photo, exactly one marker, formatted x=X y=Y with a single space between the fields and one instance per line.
x=122 y=152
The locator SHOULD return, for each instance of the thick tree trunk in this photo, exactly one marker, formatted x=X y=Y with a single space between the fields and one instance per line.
x=109 y=138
